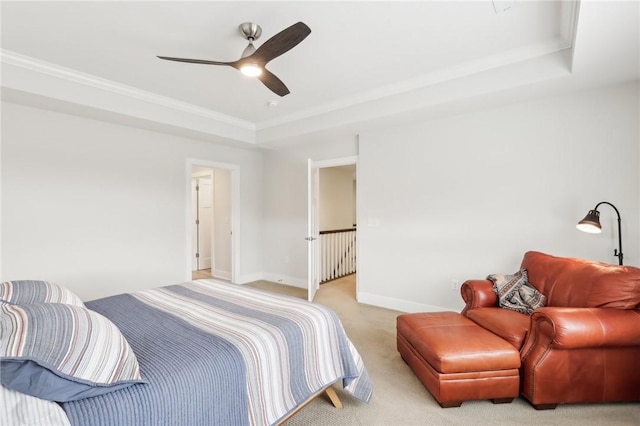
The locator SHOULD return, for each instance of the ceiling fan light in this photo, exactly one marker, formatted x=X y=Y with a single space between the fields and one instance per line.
x=251 y=70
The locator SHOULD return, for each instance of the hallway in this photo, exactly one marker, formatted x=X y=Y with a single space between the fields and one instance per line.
x=337 y=292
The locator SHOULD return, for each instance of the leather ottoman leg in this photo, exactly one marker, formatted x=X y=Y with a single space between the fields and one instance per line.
x=502 y=400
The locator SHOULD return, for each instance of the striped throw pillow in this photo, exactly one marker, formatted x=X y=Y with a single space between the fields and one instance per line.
x=63 y=352
x=27 y=292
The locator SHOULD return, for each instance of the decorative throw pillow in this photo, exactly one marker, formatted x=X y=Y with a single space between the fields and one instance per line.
x=27 y=292
x=63 y=352
x=515 y=293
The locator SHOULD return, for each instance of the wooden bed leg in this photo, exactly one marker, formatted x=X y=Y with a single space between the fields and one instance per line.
x=333 y=396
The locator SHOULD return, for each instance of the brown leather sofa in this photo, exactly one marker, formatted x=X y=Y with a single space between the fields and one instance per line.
x=584 y=345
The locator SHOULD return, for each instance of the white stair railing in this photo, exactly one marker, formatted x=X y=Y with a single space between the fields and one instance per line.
x=337 y=253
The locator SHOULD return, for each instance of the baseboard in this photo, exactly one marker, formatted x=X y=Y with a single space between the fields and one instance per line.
x=396 y=304
x=283 y=279
x=366 y=298
x=280 y=279
x=225 y=275
x=248 y=278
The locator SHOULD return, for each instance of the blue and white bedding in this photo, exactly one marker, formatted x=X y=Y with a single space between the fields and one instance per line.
x=19 y=409
x=221 y=354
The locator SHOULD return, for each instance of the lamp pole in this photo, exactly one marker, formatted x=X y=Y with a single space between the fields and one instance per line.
x=618 y=252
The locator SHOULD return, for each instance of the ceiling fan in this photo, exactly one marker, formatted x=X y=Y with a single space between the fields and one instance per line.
x=253 y=61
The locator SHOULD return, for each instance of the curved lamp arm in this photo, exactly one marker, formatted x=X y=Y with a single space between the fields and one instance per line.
x=591 y=224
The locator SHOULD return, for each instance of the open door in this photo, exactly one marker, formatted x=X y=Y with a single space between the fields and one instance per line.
x=202 y=208
x=313 y=281
x=215 y=208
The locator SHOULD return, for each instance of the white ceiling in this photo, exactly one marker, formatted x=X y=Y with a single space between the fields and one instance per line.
x=362 y=61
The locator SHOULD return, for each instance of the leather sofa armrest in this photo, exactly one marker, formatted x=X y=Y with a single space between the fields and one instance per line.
x=478 y=294
x=571 y=328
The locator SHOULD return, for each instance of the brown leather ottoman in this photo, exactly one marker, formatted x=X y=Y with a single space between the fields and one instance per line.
x=456 y=359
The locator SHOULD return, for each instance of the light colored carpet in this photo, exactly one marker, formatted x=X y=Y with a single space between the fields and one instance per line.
x=399 y=398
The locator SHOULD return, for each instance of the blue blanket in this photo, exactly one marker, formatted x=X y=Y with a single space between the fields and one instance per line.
x=220 y=354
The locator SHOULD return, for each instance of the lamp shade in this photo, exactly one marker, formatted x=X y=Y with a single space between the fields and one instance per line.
x=590 y=223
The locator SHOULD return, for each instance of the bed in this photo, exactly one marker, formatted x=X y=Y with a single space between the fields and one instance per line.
x=213 y=353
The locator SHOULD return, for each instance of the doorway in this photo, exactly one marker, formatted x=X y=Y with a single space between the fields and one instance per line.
x=332 y=195
x=212 y=220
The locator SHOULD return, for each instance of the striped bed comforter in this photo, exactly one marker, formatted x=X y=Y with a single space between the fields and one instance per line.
x=221 y=354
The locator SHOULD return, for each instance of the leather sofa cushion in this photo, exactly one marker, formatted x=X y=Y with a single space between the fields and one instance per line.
x=581 y=283
x=510 y=325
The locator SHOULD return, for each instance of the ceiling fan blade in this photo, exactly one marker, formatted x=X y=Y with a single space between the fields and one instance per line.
x=280 y=43
x=273 y=83
x=194 y=61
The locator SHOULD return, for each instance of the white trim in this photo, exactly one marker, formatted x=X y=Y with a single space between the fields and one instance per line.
x=234 y=170
x=249 y=278
x=569 y=28
x=1 y=196
x=32 y=64
x=306 y=119
x=569 y=11
x=436 y=77
x=286 y=280
x=46 y=85
x=202 y=174
x=275 y=278
x=397 y=304
x=335 y=162
x=313 y=279
x=225 y=275
x=565 y=41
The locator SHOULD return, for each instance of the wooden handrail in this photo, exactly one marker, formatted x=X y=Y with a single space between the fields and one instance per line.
x=335 y=231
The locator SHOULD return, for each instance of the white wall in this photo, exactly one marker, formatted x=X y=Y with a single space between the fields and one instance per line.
x=285 y=205
x=336 y=204
x=465 y=196
x=101 y=208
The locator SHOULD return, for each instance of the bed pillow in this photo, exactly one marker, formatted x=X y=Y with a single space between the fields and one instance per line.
x=63 y=352
x=19 y=409
x=27 y=292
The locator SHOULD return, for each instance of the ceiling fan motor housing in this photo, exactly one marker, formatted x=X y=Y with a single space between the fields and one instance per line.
x=250 y=31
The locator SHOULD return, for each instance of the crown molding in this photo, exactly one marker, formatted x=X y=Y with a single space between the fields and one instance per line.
x=32 y=64
x=46 y=79
x=565 y=40
x=430 y=98
x=437 y=77
x=569 y=11
x=54 y=73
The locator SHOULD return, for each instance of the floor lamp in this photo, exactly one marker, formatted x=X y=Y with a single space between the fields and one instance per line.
x=591 y=224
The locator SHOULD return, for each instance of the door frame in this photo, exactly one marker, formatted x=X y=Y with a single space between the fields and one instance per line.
x=321 y=164
x=234 y=171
